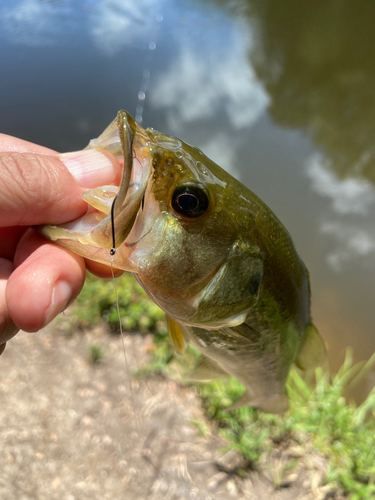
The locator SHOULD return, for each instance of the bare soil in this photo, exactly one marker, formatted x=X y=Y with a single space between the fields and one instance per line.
x=71 y=430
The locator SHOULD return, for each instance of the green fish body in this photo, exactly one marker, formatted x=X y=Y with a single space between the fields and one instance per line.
x=209 y=252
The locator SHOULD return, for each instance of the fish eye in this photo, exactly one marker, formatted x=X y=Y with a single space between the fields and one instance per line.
x=190 y=200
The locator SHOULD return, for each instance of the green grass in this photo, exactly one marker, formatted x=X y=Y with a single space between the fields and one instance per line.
x=319 y=417
x=319 y=414
x=341 y=431
x=96 y=353
x=97 y=301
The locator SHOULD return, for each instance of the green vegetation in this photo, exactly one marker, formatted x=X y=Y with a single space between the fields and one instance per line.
x=341 y=431
x=95 y=353
x=97 y=302
x=319 y=415
x=202 y=428
x=319 y=419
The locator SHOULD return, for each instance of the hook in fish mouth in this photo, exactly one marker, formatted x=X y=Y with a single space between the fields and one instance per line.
x=112 y=210
x=114 y=229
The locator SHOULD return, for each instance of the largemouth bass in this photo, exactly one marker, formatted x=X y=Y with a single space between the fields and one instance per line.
x=209 y=252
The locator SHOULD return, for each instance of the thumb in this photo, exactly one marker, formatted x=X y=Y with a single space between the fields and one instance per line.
x=46 y=189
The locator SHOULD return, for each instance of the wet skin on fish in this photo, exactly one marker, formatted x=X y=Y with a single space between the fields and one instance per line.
x=209 y=252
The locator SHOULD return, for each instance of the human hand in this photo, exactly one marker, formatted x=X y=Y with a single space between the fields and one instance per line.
x=38 y=279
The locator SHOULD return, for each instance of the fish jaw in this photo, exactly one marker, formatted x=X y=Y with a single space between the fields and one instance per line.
x=113 y=230
x=112 y=210
x=75 y=236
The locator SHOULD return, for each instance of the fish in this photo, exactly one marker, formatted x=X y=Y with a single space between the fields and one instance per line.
x=210 y=253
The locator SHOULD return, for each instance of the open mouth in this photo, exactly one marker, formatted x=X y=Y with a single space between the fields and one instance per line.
x=125 y=137
x=112 y=210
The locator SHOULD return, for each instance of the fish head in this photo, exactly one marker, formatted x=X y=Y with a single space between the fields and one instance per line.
x=180 y=224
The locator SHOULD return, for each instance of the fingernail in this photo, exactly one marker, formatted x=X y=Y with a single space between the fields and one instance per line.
x=90 y=167
x=61 y=295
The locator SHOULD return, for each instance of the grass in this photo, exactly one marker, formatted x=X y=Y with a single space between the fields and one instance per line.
x=319 y=415
x=97 y=302
x=319 y=419
x=96 y=353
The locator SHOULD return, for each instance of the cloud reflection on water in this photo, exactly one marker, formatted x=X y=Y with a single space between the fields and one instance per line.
x=199 y=82
x=121 y=23
x=348 y=196
x=112 y=25
x=354 y=197
x=222 y=151
x=353 y=242
x=31 y=22
x=207 y=79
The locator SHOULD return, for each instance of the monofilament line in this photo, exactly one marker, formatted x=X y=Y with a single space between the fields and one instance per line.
x=121 y=331
x=112 y=254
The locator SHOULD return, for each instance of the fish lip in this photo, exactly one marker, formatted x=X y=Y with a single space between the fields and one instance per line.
x=130 y=140
x=126 y=140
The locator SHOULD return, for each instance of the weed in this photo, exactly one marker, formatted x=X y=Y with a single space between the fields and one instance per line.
x=96 y=353
x=201 y=426
x=97 y=301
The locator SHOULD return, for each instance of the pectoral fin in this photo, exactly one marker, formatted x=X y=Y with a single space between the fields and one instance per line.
x=206 y=370
x=313 y=351
x=176 y=335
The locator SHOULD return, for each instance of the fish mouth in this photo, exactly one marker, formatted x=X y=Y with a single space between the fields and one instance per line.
x=112 y=210
x=123 y=137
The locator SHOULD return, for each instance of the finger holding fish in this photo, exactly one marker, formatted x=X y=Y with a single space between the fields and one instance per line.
x=46 y=279
x=39 y=185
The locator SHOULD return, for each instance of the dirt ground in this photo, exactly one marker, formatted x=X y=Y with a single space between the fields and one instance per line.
x=71 y=430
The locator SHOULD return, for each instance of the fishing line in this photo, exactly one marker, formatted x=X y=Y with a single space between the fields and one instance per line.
x=121 y=331
x=112 y=254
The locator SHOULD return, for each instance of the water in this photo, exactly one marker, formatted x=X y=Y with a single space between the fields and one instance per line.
x=281 y=94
